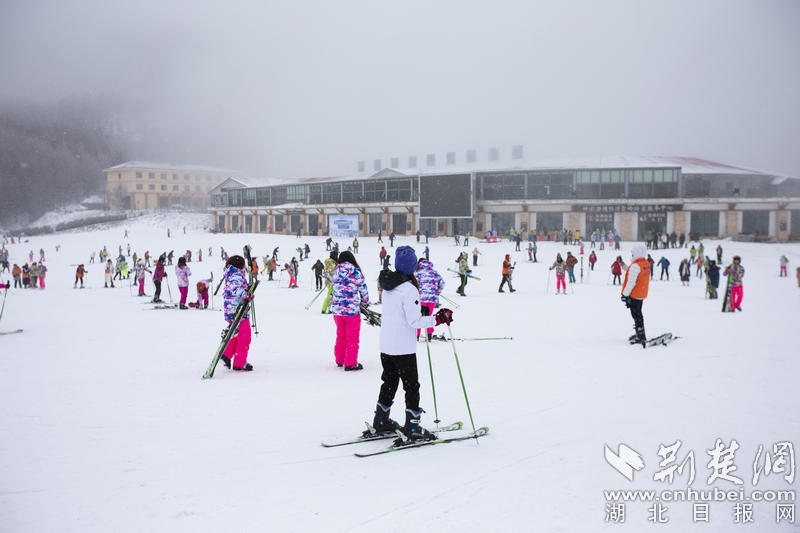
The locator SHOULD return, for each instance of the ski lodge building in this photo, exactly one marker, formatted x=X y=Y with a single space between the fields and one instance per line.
x=631 y=195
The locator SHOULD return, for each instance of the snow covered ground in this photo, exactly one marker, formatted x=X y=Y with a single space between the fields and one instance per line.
x=107 y=426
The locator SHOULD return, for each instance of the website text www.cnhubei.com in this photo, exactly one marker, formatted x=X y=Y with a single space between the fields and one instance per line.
x=691 y=495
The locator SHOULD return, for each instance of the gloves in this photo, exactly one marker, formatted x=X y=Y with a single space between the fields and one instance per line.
x=424 y=310
x=248 y=297
x=444 y=316
x=626 y=300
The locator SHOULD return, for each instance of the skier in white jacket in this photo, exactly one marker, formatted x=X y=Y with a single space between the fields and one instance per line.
x=402 y=316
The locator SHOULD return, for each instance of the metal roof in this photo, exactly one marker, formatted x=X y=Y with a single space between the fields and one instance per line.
x=144 y=165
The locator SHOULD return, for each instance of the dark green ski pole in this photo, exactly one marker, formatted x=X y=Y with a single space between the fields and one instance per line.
x=461 y=377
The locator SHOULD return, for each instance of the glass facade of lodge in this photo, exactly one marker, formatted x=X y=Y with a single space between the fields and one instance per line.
x=659 y=183
x=532 y=191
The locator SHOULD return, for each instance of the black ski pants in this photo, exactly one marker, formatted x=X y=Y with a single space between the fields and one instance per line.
x=636 y=313
x=504 y=281
x=157 y=294
x=318 y=280
x=398 y=368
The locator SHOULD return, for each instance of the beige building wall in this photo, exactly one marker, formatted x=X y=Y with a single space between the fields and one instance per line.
x=679 y=222
x=626 y=226
x=150 y=188
x=782 y=235
x=731 y=222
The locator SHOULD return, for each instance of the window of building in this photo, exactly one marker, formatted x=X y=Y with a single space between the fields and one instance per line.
x=263 y=196
x=174 y=187
x=262 y=222
x=196 y=177
x=705 y=223
x=119 y=176
x=139 y=175
x=278 y=223
x=151 y=175
x=151 y=187
x=174 y=176
x=235 y=222
x=315 y=194
x=163 y=175
x=208 y=178
x=297 y=193
x=197 y=188
x=503 y=222
x=548 y=221
x=186 y=177
x=398 y=190
x=187 y=188
x=756 y=222
x=375 y=191
x=139 y=186
x=374 y=222
x=163 y=187
x=352 y=192
x=332 y=193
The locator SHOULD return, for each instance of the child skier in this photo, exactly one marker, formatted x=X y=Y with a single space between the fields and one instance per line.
x=158 y=275
x=430 y=284
x=289 y=268
x=79 y=272
x=236 y=290
x=736 y=271
x=140 y=273
x=202 y=293
x=561 y=272
x=109 y=272
x=182 y=273
x=401 y=316
x=349 y=292
x=616 y=270
x=784 y=264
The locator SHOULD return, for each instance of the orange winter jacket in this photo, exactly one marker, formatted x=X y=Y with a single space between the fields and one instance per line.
x=639 y=282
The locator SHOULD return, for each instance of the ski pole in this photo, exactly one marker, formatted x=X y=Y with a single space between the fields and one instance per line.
x=548 y=280
x=461 y=377
x=609 y=278
x=255 y=325
x=448 y=300
x=581 y=269
x=168 y=290
x=315 y=298
x=486 y=339
x=570 y=287
x=424 y=331
x=5 y=295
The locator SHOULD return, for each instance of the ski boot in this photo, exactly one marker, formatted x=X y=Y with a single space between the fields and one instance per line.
x=413 y=431
x=225 y=360
x=246 y=368
x=381 y=425
x=640 y=337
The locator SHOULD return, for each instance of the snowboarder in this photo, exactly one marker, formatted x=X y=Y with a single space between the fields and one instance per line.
x=349 y=292
x=401 y=316
x=634 y=290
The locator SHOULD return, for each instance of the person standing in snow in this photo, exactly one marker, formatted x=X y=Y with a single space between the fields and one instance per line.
x=684 y=271
x=506 y=272
x=784 y=264
x=736 y=271
x=634 y=290
x=290 y=271
x=664 y=264
x=561 y=273
x=712 y=273
x=140 y=274
x=571 y=261
x=592 y=260
x=464 y=272
x=79 y=273
x=719 y=253
x=236 y=289
x=402 y=315
x=42 y=273
x=182 y=273
x=475 y=254
x=430 y=284
x=349 y=292
x=158 y=275
x=318 y=268
x=330 y=266
x=109 y=272
x=616 y=270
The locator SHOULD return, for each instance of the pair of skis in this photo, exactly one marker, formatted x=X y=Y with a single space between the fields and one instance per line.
x=371 y=317
x=661 y=340
x=468 y=273
x=402 y=442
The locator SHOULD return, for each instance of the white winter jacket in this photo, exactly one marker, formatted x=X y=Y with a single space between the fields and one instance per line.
x=400 y=319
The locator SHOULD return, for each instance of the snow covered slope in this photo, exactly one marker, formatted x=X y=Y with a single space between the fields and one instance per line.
x=107 y=426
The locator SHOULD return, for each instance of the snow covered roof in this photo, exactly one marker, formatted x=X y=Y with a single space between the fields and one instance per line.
x=144 y=165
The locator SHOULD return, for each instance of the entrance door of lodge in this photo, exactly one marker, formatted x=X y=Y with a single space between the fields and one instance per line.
x=655 y=222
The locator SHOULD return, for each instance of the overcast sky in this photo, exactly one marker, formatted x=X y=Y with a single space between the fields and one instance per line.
x=301 y=88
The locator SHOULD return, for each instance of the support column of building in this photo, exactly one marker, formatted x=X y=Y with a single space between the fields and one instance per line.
x=625 y=228
x=524 y=221
x=572 y=220
x=681 y=222
x=782 y=226
x=731 y=222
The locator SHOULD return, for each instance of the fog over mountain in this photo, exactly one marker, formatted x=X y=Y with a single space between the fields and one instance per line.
x=280 y=89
